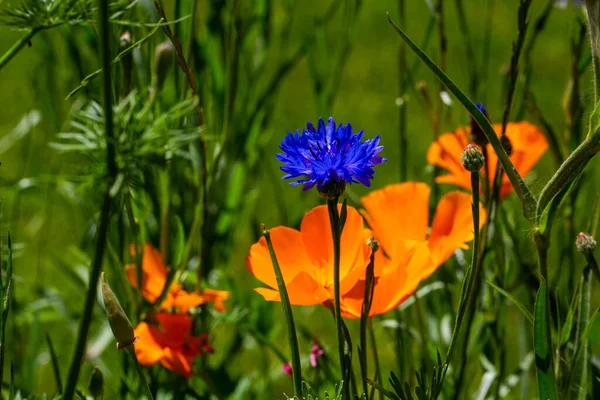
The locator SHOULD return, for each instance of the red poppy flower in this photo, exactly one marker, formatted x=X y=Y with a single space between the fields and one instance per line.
x=170 y=343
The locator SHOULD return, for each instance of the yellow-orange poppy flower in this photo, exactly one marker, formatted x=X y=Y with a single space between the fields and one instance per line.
x=306 y=258
x=170 y=343
x=154 y=279
x=528 y=145
x=399 y=218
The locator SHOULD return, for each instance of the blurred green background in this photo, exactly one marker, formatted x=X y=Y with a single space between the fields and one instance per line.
x=48 y=214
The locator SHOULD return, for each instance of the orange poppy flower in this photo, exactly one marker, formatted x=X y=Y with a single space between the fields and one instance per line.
x=170 y=343
x=306 y=258
x=528 y=145
x=154 y=279
x=399 y=217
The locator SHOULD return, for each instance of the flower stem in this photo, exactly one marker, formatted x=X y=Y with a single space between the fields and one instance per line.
x=10 y=53
x=336 y=233
x=105 y=214
x=364 y=320
x=289 y=317
x=140 y=372
x=466 y=291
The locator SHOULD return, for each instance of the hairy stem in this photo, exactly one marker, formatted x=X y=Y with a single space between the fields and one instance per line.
x=10 y=53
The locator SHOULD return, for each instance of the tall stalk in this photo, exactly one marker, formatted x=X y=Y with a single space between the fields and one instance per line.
x=337 y=225
x=105 y=213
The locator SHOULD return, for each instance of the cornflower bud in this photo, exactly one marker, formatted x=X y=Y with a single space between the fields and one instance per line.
x=117 y=319
x=472 y=158
x=585 y=243
x=96 y=383
x=477 y=134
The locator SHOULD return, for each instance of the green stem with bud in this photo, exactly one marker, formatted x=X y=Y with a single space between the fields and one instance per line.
x=470 y=275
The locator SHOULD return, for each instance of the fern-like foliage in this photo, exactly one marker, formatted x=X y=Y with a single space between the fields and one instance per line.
x=145 y=138
x=308 y=395
x=43 y=14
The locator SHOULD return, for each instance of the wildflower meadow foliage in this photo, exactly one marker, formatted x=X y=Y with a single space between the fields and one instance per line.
x=447 y=249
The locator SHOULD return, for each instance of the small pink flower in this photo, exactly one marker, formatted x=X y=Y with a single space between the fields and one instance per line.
x=287 y=368
x=315 y=354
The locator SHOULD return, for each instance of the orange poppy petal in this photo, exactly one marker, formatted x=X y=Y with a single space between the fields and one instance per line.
x=303 y=290
x=217 y=297
x=452 y=225
x=184 y=301
x=289 y=250
x=147 y=349
x=316 y=233
x=446 y=151
x=398 y=211
x=154 y=273
x=398 y=281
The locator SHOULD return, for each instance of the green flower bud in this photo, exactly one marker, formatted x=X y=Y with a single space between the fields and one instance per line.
x=163 y=61
x=472 y=158
x=119 y=323
x=585 y=243
x=333 y=190
x=96 y=383
x=373 y=244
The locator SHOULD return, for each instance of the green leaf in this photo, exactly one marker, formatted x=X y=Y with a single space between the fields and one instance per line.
x=527 y=200
x=541 y=338
x=178 y=242
x=516 y=302
x=55 y=366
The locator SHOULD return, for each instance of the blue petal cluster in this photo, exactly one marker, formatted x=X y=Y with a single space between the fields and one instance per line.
x=329 y=155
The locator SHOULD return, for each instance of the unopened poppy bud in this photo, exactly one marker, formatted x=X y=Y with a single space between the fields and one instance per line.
x=585 y=243
x=117 y=319
x=163 y=60
x=477 y=135
x=333 y=189
x=96 y=383
x=506 y=144
x=373 y=244
x=126 y=62
x=472 y=158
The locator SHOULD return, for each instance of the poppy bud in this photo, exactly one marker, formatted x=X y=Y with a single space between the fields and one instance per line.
x=472 y=158
x=373 y=244
x=585 y=243
x=333 y=189
x=163 y=60
x=477 y=135
x=119 y=323
x=124 y=43
x=96 y=383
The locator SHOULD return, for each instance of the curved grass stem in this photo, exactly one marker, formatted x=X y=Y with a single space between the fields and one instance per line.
x=289 y=317
x=105 y=214
x=140 y=372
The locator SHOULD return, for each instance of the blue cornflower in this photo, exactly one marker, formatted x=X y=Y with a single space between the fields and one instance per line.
x=329 y=157
x=477 y=134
